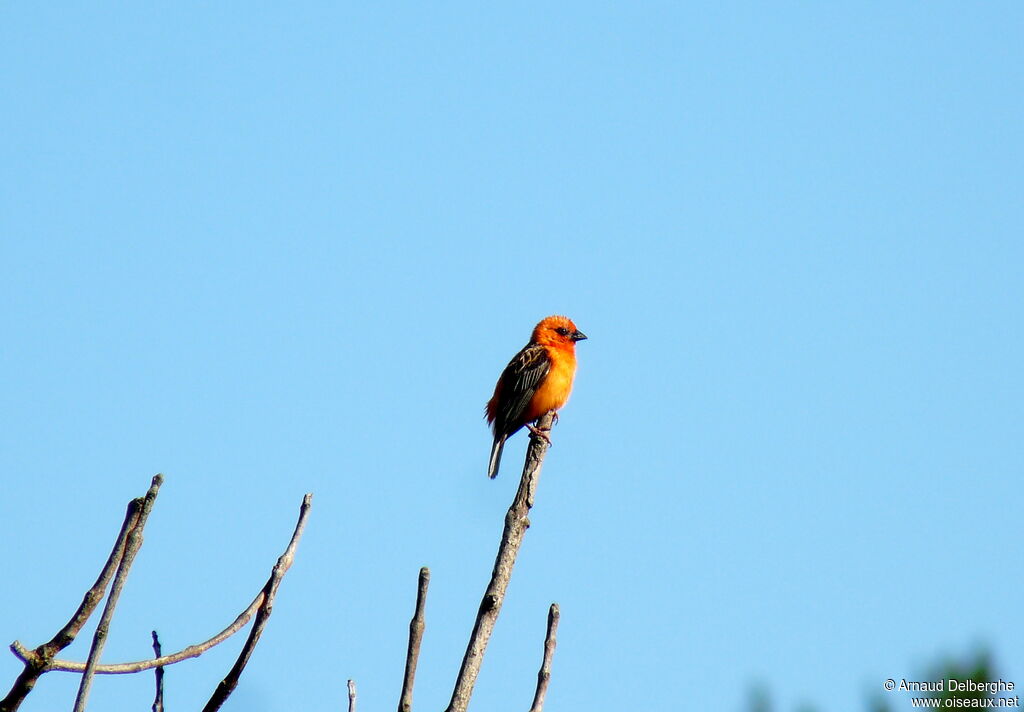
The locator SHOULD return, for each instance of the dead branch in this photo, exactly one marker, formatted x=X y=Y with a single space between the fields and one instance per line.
x=192 y=651
x=158 y=700
x=416 y=626
x=351 y=696
x=230 y=681
x=132 y=545
x=39 y=660
x=544 y=675
x=516 y=524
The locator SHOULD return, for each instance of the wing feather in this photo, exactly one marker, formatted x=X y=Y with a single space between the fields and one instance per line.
x=519 y=381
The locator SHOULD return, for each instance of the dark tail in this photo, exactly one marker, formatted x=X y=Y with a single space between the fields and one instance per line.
x=496 y=448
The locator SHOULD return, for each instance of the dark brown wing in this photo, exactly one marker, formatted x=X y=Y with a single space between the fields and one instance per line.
x=518 y=382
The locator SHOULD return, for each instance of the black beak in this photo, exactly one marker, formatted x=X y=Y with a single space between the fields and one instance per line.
x=577 y=336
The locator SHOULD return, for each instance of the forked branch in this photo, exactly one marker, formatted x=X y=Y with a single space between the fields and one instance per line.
x=192 y=651
x=40 y=659
x=131 y=547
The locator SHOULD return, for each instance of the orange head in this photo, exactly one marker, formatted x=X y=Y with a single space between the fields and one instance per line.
x=557 y=331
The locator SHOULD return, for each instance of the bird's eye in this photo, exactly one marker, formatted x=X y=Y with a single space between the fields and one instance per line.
x=562 y=330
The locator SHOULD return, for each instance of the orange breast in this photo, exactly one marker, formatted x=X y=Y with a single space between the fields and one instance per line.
x=555 y=389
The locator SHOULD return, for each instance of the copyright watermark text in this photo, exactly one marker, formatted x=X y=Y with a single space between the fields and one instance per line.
x=951 y=685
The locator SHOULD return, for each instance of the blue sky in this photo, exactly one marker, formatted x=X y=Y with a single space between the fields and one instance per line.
x=271 y=249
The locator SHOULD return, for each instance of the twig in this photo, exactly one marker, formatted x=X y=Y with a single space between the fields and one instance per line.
x=192 y=651
x=351 y=696
x=544 y=675
x=158 y=701
x=131 y=548
x=230 y=681
x=416 y=626
x=39 y=660
x=516 y=524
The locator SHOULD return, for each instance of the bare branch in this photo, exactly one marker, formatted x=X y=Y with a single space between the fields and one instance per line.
x=158 y=701
x=99 y=639
x=39 y=660
x=544 y=675
x=192 y=651
x=516 y=524
x=351 y=696
x=230 y=681
x=416 y=626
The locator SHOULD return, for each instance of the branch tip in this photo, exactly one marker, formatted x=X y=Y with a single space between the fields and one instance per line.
x=544 y=674
x=416 y=628
x=230 y=681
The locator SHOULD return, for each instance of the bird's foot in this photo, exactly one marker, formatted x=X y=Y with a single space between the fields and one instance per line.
x=542 y=434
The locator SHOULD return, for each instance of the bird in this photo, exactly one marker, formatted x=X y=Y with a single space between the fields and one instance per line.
x=536 y=381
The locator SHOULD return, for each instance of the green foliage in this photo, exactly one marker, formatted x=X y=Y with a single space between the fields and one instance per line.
x=977 y=668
